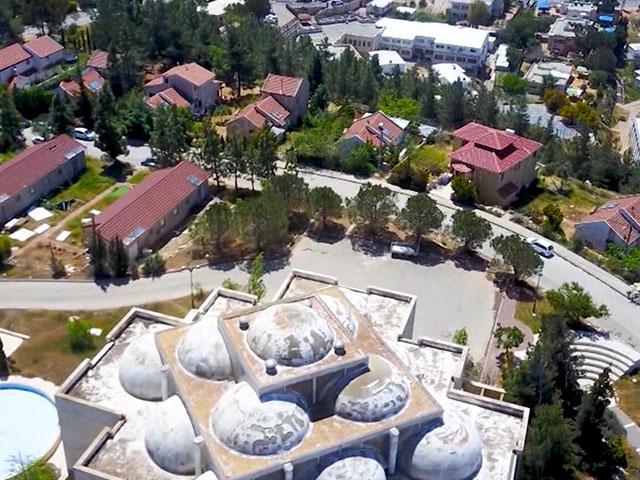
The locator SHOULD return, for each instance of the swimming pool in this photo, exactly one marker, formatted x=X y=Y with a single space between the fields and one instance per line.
x=28 y=426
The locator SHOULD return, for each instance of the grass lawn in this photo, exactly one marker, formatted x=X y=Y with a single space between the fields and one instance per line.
x=627 y=390
x=627 y=77
x=431 y=158
x=90 y=183
x=138 y=177
x=6 y=156
x=46 y=354
x=524 y=313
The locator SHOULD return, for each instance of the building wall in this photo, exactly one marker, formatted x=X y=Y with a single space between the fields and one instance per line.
x=460 y=10
x=297 y=105
x=18 y=203
x=634 y=141
x=240 y=128
x=488 y=183
x=202 y=98
x=560 y=45
x=42 y=63
x=592 y=234
x=362 y=44
x=7 y=73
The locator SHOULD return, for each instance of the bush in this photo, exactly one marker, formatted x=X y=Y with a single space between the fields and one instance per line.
x=154 y=265
x=461 y=337
x=408 y=178
x=360 y=160
x=463 y=190
x=513 y=84
x=57 y=268
x=78 y=335
x=32 y=102
x=5 y=249
x=231 y=285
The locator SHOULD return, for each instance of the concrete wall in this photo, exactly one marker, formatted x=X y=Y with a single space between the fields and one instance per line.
x=7 y=73
x=240 y=128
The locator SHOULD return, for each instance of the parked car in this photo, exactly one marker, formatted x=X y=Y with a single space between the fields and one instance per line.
x=149 y=162
x=37 y=139
x=400 y=250
x=541 y=246
x=82 y=133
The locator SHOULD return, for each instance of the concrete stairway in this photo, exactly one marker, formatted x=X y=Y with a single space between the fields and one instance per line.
x=596 y=352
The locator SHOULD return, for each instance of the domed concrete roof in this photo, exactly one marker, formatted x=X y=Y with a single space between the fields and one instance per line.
x=353 y=468
x=372 y=396
x=203 y=353
x=140 y=368
x=451 y=451
x=169 y=437
x=244 y=423
x=291 y=334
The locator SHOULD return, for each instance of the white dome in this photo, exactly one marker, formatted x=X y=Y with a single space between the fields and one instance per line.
x=140 y=368
x=353 y=468
x=372 y=396
x=203 y=353
x=451 y=451
x=244 y=423
x=169 y=437
x=291 y=334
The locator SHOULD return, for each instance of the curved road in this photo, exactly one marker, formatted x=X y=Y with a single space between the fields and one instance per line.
x=624 y=321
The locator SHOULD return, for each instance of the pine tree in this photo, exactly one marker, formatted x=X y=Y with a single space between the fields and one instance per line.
x=10 y=136
x=208 y=152
x=118 y=258
x=84 y=107
x=453 y=105
x=255 y=286
x=486 y=107
x=98 y=254
x=61 y=117
x=169 y=136
x=235 y=159
x=266 y=154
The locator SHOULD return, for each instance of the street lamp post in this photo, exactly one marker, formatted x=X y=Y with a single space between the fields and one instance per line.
x=191 y=284
x=539 y=275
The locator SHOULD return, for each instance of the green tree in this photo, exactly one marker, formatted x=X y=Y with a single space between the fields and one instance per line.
x=290 y=188
x=169 y=136
x=360 y=160
x=118 y=258
x=573 y=303
x=61 y=117
x=255 y=286
x=602 y=58
x=98 y=253
x=154 y=265
x=85 y=109
x=78 y=335
x=235 y=160
x=421 y=215
x=5 y=250
x=461 y=337
x=554 y=99
x=110 y=138
x=262 y=220
x=10 y=136
x=58 y=269
x=37 y=470
x=452 y=106
x=214 y=225
x=324 y=202
x=464 y=191
x=373 y=205
x=549 y=452
x=486 y=106
x=470 y=229
x=478 y=13
x=209 y=150
x=512 y=84
x=508 y=338
x=517 y=254
x=553 y=215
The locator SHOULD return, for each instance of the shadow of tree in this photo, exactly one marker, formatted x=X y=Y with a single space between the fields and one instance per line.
x=470 y=261
x=332 y=232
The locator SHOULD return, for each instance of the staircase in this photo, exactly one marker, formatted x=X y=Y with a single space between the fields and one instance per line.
x=597 y=352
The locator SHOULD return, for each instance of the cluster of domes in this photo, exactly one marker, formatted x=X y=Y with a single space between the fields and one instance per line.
x=244 y=423
x=291 y=334
x=140 y=368
x=372 y=396
x=451 y=451
x=353 y=468
x=203 y=353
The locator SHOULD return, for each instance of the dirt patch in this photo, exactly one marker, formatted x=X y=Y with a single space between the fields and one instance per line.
x=35 y=262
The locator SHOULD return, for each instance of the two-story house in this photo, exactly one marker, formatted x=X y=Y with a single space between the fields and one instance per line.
x=189 y=85
x=377 y=129
x=37 y=171
x=498 y=162
x=30 y=62
x=617 y=222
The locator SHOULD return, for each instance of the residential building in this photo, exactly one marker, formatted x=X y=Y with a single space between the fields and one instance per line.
x=634 y=139
x=30 y=62
x=408 y=13
x=99 y=60
x=577 y=10
x=36 y=172
x=449 y=73
x=151 y=210
x=502 y=59
x=282 y=104
x=633 y=53
x=498 y=162
x=379 y=8
x=362 y=36
x=617 y=222
x=377 y=128
x=459 y=9
x=562 y=34
x=435 y=42
x=287 y=23
x=538 y=72
x=189 y=85
x=92 y=80
x=390 y=61
x=322 y=383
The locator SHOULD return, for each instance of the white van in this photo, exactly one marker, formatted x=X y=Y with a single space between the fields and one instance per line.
x=541 y=246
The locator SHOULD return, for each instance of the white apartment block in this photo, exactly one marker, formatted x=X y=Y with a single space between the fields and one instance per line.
x=435 y=42
x=634 y=140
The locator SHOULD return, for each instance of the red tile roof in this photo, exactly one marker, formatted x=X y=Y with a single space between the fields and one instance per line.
x=99 y=59
x=490 y=149
x=92 y=80
x=273 y=111
x=13 y=55
x=170 y=96
x=43 y=46
x=367 y=129
x=251 y=114
x=35 y=162
x=281 y=85
x=621 y=214
x=147 y=203
x=192 y=73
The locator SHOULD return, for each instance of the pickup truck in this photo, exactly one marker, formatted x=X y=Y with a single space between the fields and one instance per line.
x=399 y=250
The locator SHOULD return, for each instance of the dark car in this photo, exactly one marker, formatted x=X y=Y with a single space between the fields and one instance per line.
x=149 y=162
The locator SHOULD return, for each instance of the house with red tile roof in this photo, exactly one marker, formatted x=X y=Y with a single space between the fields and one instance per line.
x=90 y=78
x=191 y=85
x=99 y=60
x=30 y=62
x=498 y=162
x=283 y=102
x=377 y=129
x=617 y=221
x=36 y=172
x=154 y=208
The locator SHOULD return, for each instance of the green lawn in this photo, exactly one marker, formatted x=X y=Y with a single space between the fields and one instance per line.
x=626 y=75
x=524 y=313
x=138 y=177
x=6 y=156
x=431 y=158
x=89 y=184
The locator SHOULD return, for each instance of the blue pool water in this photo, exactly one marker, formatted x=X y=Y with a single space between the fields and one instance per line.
x=28 y=426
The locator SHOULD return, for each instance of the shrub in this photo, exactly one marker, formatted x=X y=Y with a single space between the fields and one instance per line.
x=360 y=160
x=57 y=267
x=553 y=215
x=230 y=284
x=463 y=190
x=408 y=178
x=513 y=84
x=154 y=265
x=78 y=335
x=5 y=249
x=460 y=336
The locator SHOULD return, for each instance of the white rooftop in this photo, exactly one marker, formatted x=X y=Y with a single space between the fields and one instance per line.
x=450 y=72
x=407 y=10
x=218 y=7
x=501 y=56
x=380 y=3
x=387 y=57
x=440 y=32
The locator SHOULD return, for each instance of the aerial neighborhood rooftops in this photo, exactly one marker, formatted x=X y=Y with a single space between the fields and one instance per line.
x=29 y=62
x=90 y=78
x=538 y=72
x=617 y=221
